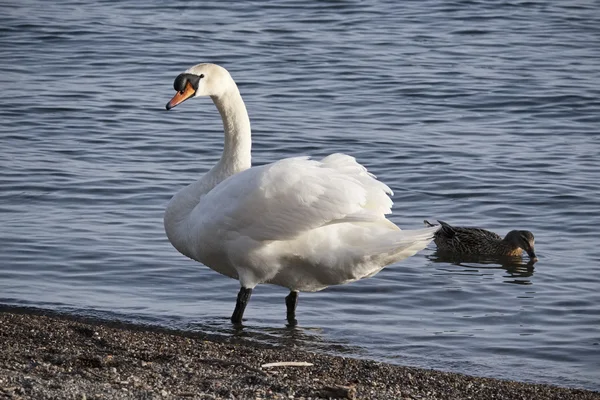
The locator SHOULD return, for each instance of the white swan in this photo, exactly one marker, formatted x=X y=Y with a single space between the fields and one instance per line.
x=298 y=223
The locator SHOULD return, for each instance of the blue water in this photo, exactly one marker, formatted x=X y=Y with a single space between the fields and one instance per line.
x=474 y=112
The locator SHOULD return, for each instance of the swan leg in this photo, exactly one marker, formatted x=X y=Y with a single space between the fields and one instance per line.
x=242 y=300
x=291 y=301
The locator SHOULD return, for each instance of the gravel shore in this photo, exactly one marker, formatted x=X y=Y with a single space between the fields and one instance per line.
x=61 y=357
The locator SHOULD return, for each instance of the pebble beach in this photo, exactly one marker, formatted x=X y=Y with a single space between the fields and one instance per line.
x=54 y=356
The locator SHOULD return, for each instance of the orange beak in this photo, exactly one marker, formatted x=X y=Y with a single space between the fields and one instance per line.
x=182 y=96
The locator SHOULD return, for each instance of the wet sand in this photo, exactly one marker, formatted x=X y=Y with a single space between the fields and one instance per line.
x=64 y=357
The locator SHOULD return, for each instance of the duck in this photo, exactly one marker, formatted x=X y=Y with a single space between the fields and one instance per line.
x=299 y=223
x=477 y=241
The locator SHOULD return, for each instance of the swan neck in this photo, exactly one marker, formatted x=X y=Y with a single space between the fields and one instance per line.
x=236 y=126
x=236 y=158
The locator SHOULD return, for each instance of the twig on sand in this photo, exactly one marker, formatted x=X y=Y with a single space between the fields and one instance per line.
x=287 y=364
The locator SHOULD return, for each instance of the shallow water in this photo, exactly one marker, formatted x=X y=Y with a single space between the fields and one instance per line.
x=474 y=113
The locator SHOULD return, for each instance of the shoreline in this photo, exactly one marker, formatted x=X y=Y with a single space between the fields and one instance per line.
x=44 y=354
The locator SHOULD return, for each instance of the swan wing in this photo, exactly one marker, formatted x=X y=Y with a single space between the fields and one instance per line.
x=279 y=201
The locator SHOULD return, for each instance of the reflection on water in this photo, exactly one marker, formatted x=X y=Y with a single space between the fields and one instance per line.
x=517 y=268
x=306 y=338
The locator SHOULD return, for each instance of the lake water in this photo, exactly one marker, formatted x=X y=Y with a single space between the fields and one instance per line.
x=473 y=112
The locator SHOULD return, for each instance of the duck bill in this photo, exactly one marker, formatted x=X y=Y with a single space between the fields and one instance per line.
x=532 y=255
x=182 y=96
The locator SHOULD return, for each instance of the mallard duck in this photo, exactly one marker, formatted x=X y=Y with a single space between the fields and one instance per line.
x=467 y=240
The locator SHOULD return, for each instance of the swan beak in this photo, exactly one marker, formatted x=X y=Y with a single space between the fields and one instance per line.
x=182 y=96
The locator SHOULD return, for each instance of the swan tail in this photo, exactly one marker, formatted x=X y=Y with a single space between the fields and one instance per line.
x=403 y=244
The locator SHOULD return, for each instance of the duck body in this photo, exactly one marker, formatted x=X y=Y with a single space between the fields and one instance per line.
x=477 y=241
x=298 y=223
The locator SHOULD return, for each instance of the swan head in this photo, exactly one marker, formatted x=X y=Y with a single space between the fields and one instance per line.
x=523 y=240
x=201 y=80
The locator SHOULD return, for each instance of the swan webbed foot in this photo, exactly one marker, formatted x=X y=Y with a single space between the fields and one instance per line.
x=242 y=301
x=291 y=301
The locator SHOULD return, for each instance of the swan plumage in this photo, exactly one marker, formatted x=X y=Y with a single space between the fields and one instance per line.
x=300 y=223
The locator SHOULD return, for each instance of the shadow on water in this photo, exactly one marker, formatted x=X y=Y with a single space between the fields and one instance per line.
x=286 y=336
x=517 y=268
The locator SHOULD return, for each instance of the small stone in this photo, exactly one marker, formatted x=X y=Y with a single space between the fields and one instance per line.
x=340 y=392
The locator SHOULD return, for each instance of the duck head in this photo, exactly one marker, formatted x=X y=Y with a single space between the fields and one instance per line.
x=523 y=240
